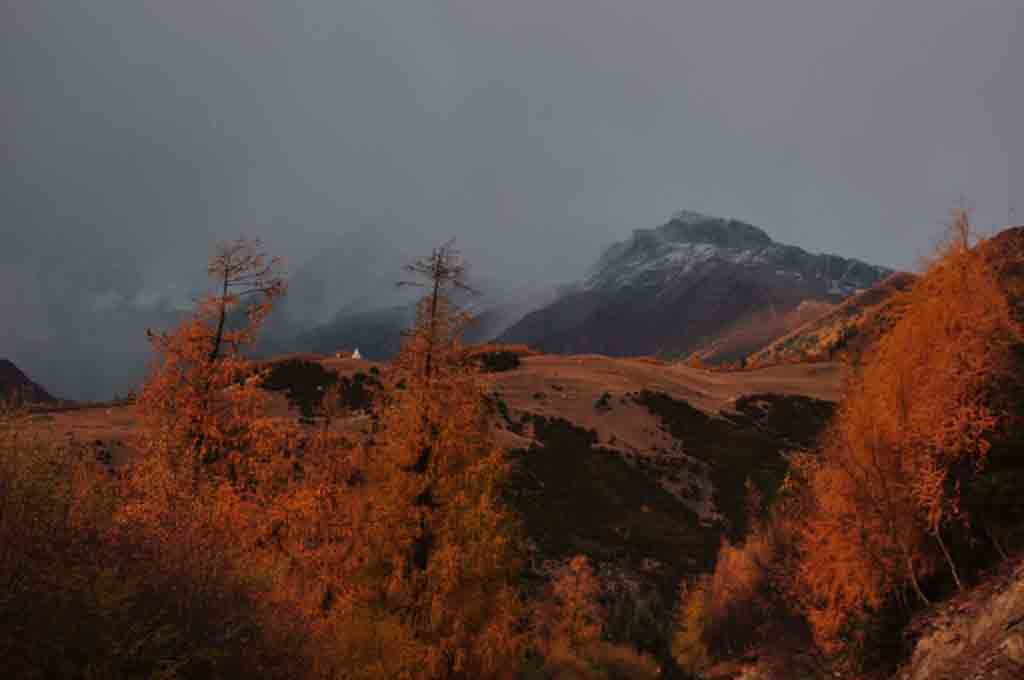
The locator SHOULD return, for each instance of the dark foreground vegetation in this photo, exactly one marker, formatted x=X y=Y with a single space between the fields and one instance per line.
x=239 y=545
x=305 y=382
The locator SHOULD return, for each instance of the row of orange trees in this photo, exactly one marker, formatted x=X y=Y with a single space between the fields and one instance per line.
x=237 y=544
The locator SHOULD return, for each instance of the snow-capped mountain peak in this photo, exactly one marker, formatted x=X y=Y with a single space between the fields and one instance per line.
x=696 y=281
x=691 y=242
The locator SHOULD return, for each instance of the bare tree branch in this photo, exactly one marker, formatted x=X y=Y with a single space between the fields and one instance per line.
x=242 y=269
x=440 y=273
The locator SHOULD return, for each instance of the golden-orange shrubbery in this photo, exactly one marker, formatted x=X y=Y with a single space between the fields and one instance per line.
x=886 y=509
x=570 y=624
x=573 y=616
x=721 y=613
x=86 y=594
x=886 y=492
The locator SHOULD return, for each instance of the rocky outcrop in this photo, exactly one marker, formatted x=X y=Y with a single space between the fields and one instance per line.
x=978 y=635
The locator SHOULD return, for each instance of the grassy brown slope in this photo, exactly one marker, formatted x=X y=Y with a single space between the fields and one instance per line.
x=696 y=434
x=554 y=387
x=758 y=330
x=568 y=386
x=847 y=330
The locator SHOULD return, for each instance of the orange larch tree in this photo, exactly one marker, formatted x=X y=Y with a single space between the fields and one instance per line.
x=242 y=271
x=401 y=549
x=440 y=274
x=885 y=493
x=201 y=394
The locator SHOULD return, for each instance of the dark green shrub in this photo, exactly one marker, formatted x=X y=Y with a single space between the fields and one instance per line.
x=498 y=361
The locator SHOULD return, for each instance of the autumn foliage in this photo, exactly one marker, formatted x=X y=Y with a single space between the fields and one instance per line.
x=722 y=613
x=571 y=623
x=393 y=555
x=885 y=503
x=202 y=397
x=89 y=590
x=915 y=481
x=242 y=544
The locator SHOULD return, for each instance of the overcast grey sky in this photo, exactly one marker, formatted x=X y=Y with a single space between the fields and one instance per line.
x=135 y=133
x=535 y=130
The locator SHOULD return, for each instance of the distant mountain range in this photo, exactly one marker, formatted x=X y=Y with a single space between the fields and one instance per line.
x=717 y=288
x=722 y=289
x=15 y=384
x=695 y=283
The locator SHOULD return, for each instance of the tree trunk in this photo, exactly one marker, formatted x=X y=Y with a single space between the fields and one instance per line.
x=914 y=582
x=433 y=320
x=215 y=350
x=949 y=560
x=995 y=541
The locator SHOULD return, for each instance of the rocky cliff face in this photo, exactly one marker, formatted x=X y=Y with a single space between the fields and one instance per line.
x=681 y=286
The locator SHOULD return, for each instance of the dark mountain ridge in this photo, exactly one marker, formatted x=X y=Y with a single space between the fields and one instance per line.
x=14 y=384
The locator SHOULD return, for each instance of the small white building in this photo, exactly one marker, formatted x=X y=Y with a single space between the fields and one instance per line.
x=356 y=354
